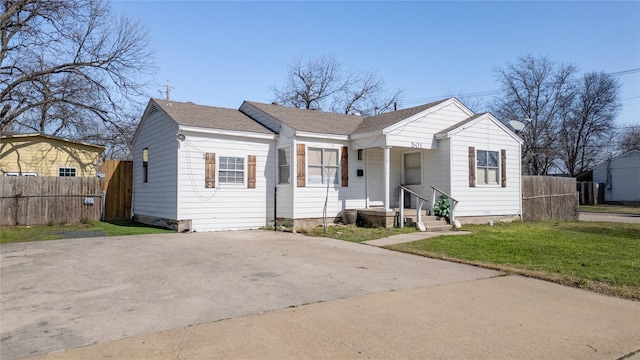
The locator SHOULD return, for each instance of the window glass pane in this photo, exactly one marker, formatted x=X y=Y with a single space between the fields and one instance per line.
x=482 y=158
x=412 y=160
x=239 y=164
x=412 y=169
x=315 y=157
x=315 y=175
x=283 y=156
x=492 y=176
x=493 y=158
x=333 y=176
x=331 y=157
x=283 y=175
x=482 y=176
x=224 y=163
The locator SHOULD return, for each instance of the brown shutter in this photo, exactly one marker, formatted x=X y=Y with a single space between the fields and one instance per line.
x=345 y=166
x=503 y=167
x=472 y=166
x=251 y=168
x=302 y=167
x=209 y=170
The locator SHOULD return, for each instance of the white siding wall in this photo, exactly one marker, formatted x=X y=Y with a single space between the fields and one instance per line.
x=309 y=200
x=624 y=183
x=227 y=206
x=420 y=133
x=485 y=200
x=158 y=196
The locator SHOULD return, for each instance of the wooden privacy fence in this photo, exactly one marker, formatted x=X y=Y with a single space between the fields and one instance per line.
x=118 y=185
x=43 y=200
x=591 y=193
x=549 y=198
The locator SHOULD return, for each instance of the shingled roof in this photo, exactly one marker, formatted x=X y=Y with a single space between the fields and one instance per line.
x=314 y=121
x=379 y=122
x=190 y=114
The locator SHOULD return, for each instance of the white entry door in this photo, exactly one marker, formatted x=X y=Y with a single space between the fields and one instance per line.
x=375 y=177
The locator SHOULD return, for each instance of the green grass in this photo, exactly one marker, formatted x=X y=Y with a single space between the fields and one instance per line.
x=55 y=232
x=621 y=209
x=603 y=257
x=355 y=234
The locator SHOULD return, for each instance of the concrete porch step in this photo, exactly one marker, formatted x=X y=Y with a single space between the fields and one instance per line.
x=431 y=223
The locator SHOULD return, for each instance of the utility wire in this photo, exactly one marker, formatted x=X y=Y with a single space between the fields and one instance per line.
x=497 y=91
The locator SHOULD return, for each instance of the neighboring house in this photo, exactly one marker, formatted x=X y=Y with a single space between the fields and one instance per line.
x=202 y=168
x=620 y=176
x=45 y=155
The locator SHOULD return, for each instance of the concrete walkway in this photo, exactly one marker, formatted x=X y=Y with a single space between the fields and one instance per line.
x=415 y=236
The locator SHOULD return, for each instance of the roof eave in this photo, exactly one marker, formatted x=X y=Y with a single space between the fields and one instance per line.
x=309 y=134
x=248 y=134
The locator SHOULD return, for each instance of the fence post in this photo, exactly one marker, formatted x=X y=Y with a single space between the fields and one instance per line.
x=102 y=208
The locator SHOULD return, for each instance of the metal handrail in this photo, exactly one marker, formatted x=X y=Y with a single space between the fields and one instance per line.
x=452 y=202
x=421 y=201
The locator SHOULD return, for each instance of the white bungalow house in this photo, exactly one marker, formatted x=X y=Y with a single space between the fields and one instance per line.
x=201 y=168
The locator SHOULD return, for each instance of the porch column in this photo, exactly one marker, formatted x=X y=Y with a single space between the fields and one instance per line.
x=386 y=177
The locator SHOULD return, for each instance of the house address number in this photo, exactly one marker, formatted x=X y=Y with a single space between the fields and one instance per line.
x=416 y=145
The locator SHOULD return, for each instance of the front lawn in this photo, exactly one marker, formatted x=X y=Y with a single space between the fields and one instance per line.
x=55 y=232
x=604 y=257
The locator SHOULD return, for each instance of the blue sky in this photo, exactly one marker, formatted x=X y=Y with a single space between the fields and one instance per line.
x=221 y=53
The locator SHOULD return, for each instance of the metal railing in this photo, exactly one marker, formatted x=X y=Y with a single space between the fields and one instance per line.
x=421 y=201
x=452 y=202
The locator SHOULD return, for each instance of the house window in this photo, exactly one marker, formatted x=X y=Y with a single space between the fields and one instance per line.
x=488 y=166
x=231 y=170
x=145 y=165
x=413 y=168
x=323 y=166
x=66 y=171
x=284 y=166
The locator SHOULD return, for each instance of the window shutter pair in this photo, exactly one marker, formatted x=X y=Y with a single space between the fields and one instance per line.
x=472 y=167
x=210 y=171
x=302 y=166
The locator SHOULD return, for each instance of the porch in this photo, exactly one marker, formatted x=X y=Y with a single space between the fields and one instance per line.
x=379 y=217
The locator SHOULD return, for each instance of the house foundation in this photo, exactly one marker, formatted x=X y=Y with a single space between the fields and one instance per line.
x=177 y=225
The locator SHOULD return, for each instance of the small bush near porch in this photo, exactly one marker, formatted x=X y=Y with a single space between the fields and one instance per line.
x=603 y=257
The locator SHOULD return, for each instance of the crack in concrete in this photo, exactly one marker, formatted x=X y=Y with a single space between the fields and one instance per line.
x=180 y=348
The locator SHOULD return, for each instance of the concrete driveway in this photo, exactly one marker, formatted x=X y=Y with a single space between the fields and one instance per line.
x=69 y=293
x=609 y=217
x=141 y=297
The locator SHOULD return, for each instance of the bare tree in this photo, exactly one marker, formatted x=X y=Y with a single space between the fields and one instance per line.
x=589 y=121
x=323 y=83
x=71 y=68
x=630 y=139
x=542 y=91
